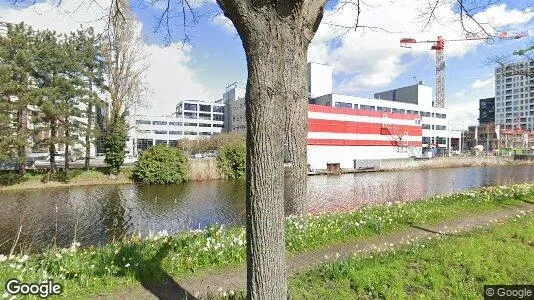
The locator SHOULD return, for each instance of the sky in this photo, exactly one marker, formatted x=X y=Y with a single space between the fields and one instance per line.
x=365 y=61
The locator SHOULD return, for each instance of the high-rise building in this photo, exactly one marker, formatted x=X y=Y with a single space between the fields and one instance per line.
x=486 y=111
x=514 y=95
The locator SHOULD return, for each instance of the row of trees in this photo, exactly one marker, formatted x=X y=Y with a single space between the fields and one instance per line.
x=59 y=81
x=47 y=79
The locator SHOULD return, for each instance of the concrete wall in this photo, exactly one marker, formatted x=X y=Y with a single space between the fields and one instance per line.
x=319 y=156
x=319 y=79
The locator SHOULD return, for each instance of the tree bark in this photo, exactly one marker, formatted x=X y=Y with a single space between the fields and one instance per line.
x=266 y=271
x=274 y=35
x=296 y=128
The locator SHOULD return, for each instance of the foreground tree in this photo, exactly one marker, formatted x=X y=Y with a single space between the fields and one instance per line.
x=275 y=36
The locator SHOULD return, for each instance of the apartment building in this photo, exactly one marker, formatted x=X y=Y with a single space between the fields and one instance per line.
x=486 y=111
x=514 y=95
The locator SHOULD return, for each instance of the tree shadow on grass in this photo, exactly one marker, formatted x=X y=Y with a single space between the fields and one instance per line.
x=149 y=271
x=430 y=230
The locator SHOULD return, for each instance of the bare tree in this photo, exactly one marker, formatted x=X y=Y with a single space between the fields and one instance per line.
x=125 y=65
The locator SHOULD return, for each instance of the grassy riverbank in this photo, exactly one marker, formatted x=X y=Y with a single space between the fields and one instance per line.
x=445 y=268
x=75 y=177
x=86 y=271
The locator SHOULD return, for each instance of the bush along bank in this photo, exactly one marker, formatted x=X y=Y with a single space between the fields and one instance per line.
x=231 y=161
x=161 y=164
x=90 y=270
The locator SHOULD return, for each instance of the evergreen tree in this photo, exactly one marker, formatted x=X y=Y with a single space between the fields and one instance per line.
x=92 y=70
x=16 y=93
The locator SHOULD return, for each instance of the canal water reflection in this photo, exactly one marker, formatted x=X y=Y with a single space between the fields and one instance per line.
x=100 y=214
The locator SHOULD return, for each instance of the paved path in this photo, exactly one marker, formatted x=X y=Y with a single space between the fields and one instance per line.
x=235 y=279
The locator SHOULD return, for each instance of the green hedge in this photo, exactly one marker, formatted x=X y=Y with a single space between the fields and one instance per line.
x=161 y=164
x=231 y=160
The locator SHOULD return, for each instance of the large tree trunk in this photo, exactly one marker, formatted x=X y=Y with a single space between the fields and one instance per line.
x=296 y=127
x=275 y=35
x=266 y=272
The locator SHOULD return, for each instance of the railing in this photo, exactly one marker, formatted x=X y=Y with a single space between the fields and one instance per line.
x=400 y=140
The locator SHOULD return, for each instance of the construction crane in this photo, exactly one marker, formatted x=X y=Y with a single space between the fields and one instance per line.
x=439 y=46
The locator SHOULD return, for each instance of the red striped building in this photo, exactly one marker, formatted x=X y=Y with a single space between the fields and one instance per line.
x=341 y=135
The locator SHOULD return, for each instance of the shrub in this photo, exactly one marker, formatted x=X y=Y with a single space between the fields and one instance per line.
x=231 y=161
x=161 y=164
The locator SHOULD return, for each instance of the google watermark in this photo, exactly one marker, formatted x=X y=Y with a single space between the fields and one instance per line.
x=45 y=289
x=508 y=292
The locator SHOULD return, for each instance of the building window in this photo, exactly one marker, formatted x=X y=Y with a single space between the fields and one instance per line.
x=190 y=106
x=441 y=127
x=204 y=125
x=344 y=104
x=173 y=143
x=425 y=126
x=218 y=125
x=143 y=144
x=218 y=117
x=382 y=108
x=426 y=140
x=175 y=123
x=399 y=111
x=367 y=107
x=159 y=122
x=161 y=142
x=190 y=133
x=204 y=107
x=175 y=132
x=219 y=109
x=144 y=122
x=160 y=131
x=203 y=116
x=191 y=124
x=190 y=115
x=205 y=133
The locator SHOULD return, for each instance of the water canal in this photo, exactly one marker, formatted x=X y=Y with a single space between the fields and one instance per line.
x=99 y=214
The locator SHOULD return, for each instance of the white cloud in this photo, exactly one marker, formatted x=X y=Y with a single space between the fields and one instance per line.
x=224 y=23
x=169 y=77
x=368 y=59
x=465 y=103
x=483 y=83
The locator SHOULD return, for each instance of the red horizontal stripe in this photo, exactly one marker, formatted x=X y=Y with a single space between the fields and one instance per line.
x=359 y=112
x=316 y=125
x=333 y=142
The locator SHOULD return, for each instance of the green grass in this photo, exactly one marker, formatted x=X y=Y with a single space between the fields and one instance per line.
x=446 y=268
x=11 y=180
x=86 y=271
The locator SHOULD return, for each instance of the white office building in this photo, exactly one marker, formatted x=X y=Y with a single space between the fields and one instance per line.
x=514 y=95
x=192 y=120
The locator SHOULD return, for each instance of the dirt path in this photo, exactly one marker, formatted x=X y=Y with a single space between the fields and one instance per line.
x=235 y=279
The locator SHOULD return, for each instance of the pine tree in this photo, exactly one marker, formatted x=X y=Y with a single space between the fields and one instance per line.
x=92 y=72
x=16 y=93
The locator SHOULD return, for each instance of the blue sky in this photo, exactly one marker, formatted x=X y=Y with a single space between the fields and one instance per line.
x=364 y=61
